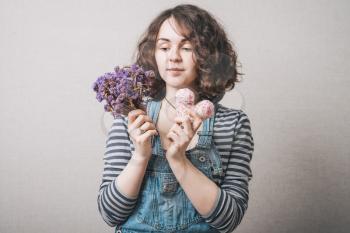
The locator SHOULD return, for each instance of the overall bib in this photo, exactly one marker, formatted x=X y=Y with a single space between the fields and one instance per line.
x=162 y=204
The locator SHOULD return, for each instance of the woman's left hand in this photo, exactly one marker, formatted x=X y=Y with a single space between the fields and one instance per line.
x=181 y=134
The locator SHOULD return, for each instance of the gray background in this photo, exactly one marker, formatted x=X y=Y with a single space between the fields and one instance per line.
x=295 y=55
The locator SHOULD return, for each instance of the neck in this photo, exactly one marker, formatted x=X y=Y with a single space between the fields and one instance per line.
x=170 y=94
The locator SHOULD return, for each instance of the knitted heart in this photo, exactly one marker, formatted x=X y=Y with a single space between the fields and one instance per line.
x=184 y=98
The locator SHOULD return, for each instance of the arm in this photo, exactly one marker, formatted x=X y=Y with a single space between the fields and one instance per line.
x=122 y=176
x=195 y=183
x=222 y=207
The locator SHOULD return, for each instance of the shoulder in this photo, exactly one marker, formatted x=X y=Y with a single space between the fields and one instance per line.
x=120 y=120
x=229 y=115
x=229 y=121
x=119 y=127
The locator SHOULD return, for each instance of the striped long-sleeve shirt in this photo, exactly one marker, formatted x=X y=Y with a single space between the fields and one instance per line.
x=234 y=142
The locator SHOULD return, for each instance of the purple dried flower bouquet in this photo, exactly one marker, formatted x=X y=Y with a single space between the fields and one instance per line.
x=124 y=90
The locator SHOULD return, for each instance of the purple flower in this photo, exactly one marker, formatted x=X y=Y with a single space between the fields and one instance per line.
x=124 y=90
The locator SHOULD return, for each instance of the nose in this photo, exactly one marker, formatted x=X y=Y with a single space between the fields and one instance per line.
x=174 y=55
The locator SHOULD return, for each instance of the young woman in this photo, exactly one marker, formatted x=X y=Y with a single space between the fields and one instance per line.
x=164 y=173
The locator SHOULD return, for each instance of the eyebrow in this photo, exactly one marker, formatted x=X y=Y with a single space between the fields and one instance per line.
x=165 y=39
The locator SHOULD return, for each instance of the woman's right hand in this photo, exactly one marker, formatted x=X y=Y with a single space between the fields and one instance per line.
x=141 y=129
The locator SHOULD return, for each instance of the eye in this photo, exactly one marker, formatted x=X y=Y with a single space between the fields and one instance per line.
x=163 y=48
x=187 y=49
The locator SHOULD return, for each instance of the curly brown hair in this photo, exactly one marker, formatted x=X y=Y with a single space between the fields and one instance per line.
x=215 y=56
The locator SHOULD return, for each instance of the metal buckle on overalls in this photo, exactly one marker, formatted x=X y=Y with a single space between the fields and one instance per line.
x=118 y=229
x=202 y=158
x=218 y=171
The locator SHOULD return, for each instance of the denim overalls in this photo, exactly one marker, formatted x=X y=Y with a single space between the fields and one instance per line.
x=162 y=203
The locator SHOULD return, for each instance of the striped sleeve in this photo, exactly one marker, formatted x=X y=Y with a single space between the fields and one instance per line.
x=114 y=206
x=232 y=200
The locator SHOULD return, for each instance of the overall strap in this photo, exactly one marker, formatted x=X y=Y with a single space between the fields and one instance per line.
x=206 y=142
x=153 y=108
x=206 y=135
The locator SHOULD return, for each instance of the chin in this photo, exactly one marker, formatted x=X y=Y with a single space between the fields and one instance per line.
x=174 y=83
x=174 y=79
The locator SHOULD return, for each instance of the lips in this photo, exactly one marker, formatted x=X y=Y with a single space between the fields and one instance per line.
x=175 y=69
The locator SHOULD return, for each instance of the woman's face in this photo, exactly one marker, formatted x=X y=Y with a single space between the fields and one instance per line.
x=174 y=56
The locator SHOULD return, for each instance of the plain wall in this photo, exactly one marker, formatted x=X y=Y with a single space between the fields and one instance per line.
x=295 y=56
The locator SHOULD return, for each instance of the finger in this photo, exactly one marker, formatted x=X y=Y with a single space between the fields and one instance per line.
x=181 y=119
x=177 y=129
x=173 y=128
x=190 y=124
x=140 y=120
x=135 y=124
x=172 y=136
x=135 y=133
x=147 y=126
x=148 y=134
x=197 y=121
x=134 y=114
x=193 y=114
x=188 y=127
x=182 y=136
